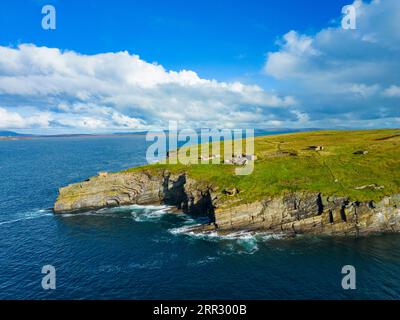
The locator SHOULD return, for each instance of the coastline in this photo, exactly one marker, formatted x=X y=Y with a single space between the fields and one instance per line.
x=290 y=214
x=328 y=204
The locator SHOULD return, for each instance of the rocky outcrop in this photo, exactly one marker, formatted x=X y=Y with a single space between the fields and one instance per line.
x=141 y=188
x=290 y=214
x=312 y=213
x=109 y=190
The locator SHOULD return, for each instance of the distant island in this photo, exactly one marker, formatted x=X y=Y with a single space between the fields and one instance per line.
x=323 y=182
x=11 y=135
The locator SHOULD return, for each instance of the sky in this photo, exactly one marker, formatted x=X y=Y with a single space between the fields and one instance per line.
x=112 y=66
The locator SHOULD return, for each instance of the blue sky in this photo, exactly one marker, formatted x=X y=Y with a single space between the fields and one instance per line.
x=261 y=64
x=221 y=39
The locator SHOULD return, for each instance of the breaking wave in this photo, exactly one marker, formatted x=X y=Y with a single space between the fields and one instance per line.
x=139 y=213
x=204 y=261
x=238 y=242
x=28 y=216
x=149 y=213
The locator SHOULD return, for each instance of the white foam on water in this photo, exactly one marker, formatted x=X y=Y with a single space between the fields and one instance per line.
x=149 y=214
x=139 y=213
x=237 y=242
x=71 y=215
x=145 y=207
x=40 y=213
x=204 y=261
x=149 y=265
x=155 y=213
x=186 y=230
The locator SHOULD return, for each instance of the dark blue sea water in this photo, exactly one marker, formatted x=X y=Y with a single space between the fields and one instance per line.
x=140 y=253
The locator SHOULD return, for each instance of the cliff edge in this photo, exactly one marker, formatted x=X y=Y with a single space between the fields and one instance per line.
x=289 y=214
x=326 y=182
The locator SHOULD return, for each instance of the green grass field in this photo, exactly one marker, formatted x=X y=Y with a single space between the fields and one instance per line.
x=285 y=164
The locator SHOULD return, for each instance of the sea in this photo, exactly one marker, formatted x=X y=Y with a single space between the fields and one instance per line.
x=146 y=252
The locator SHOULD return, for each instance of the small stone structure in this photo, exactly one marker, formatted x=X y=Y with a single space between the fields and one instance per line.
x=361 y=152
x=231 y=192
x=251 y=157
x=206 y=158
x=316 y=148
x=241 y=159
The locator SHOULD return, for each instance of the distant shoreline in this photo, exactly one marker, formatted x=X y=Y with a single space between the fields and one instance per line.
x=14 y=138
x=258 y=133
x=30 y=137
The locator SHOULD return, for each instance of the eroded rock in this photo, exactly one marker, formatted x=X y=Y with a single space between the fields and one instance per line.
x=290 y=214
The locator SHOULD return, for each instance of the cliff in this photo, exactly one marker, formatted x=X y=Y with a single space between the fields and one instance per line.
x=118 y=189
x=289 y=214
x=349 y=186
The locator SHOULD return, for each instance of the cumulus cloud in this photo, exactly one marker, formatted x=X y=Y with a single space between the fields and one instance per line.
x=333 y=78
x=13 y=120
x=392 y=91
x=114 y=91
x=346 y=77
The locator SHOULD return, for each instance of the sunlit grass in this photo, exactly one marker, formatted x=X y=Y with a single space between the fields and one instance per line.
x=285 y=164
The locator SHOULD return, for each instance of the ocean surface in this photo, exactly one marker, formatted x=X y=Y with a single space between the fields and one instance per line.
x=144 y=253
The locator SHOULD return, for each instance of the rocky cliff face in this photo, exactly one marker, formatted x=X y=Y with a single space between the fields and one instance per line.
x=312 y=213
x=142 y=188
x=295 y=213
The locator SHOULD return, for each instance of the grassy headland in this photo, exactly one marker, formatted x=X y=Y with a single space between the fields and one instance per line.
x=286 y=164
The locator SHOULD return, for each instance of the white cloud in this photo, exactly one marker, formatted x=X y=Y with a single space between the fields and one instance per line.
x=392 y=91
x=340 y=75
x=302 y=117
x=333 y=78
x=13 y=120
x=294 y=57
x=121 y=91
